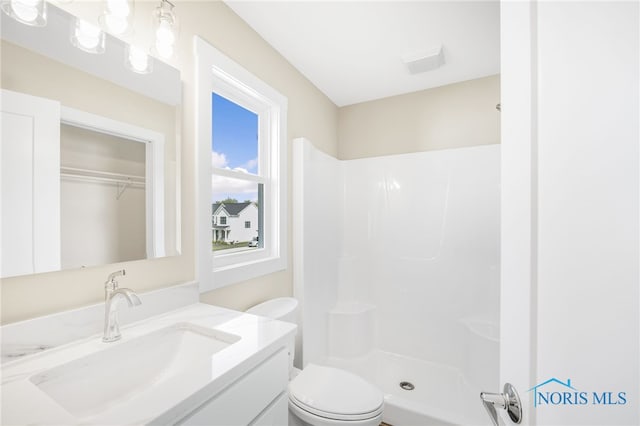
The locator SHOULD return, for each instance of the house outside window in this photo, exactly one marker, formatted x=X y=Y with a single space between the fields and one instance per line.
x=230 y=224
x=256 y=182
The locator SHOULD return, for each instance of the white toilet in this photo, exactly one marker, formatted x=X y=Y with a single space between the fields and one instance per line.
x=324 y=396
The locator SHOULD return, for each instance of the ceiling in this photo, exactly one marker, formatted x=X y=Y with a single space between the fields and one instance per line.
x=352 y=50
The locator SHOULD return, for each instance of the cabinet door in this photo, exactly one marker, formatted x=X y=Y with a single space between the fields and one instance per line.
x=30 y=157
x=245 y=399
x=277 y=414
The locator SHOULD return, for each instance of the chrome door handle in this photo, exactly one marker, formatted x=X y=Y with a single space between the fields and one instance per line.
x=507 y=400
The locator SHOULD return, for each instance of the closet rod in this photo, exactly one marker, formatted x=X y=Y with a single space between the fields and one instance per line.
x=102 y=179
x=76 y=172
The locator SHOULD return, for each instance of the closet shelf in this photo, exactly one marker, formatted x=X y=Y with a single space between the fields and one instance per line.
x=123 y=181
x=72 y=172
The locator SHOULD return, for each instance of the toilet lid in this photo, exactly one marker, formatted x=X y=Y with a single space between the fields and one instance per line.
x=335 y=394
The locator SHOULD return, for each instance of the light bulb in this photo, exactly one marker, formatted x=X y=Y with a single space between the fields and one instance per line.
x=138 y=59
x=118 y=8
x=166 y=29
x=88 y=37
x=164 y=33
x=25 y=9
x=28 y=12
x=164 y=50
x=116 y=24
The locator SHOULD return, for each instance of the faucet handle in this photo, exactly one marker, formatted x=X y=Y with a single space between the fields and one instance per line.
x=111 y=279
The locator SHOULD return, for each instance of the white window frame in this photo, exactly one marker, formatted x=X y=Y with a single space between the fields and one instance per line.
x=215 y=72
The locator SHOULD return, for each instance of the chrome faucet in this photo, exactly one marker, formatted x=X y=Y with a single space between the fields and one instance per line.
x=112 y=295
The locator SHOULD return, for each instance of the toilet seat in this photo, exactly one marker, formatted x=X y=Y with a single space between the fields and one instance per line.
x=335 y=394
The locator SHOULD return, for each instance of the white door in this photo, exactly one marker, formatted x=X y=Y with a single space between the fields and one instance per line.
x=30 y=208
x=570 y=298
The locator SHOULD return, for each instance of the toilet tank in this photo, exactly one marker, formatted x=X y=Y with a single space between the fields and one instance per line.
x=282 y=308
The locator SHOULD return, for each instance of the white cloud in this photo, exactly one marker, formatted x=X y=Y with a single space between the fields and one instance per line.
x=218 y=160
x=225 y=185
x=249 y=165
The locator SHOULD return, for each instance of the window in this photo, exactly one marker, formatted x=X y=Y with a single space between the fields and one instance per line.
x=241 y=124
x=235 y=142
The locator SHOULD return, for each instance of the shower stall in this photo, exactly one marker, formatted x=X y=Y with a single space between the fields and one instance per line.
x=397 y=269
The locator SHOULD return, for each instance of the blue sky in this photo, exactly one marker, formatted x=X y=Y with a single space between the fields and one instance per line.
x=234 y=145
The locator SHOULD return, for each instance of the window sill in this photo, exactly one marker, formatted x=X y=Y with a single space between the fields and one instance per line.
x=243 y=271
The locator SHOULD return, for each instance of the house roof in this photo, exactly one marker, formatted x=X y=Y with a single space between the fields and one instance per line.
x=232 y=209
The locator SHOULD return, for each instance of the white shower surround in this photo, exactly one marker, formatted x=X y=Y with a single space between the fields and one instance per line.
x=397 y=268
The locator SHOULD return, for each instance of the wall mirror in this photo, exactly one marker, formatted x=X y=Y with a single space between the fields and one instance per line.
x=90 y=163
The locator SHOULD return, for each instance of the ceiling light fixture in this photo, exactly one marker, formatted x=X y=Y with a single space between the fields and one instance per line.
x=29 y=12
x=165 y=25
x=117 y=19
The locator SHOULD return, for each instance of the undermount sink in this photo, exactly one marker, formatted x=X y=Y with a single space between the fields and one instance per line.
x=90 y=385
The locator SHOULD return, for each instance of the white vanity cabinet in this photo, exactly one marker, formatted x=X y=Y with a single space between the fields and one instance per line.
x=256 y=398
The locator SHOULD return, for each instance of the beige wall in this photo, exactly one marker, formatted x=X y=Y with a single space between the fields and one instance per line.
x=452 y=116
x=31 y=73
x=311 y=114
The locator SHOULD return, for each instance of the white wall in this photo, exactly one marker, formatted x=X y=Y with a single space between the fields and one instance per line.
x=238 y=231
x=421 y=244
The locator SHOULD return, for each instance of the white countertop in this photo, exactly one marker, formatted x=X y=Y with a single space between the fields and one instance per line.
x=24 y=403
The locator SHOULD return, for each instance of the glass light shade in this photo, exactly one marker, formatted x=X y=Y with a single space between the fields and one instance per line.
x=138 y=60
x=29 y=12
x=119 y=7
x=164 y=50
x=117 y=16
x=165 y=25
x=165 y=33
x=115 y=24
x=87 y=37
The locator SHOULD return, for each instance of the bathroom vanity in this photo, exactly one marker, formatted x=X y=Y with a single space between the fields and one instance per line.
x=194 y=365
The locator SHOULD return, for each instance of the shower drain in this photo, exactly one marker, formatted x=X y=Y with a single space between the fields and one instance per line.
x=407 y=386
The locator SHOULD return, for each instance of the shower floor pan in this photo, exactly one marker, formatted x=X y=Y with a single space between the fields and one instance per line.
x=439 y=396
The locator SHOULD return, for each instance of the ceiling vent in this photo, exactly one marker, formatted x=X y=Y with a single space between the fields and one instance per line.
x=424 y=60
